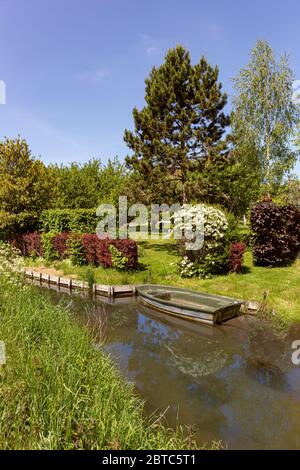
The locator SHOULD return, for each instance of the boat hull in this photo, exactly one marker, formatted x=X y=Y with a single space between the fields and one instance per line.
x=211 y=319
x=217 y=316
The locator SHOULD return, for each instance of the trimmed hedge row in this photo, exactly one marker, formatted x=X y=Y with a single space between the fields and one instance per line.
x=69 y=220
x=81 y=248
x=277 y=234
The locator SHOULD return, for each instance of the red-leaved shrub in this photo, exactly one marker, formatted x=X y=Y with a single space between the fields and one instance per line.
x=277 y=234
x=89 y=242
x=60 y=244
x=97 y=251
x=237 y=251
x=29 y=244
x=94 y=251
x=103 y=253
x=129 y=249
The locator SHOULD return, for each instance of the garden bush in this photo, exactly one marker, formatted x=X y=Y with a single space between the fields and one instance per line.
x=69 y=220
x=119 y=261
x=292 y=215
x=29 y=244
x=49 y=251
x=32 y=244
x=97 y=251
x=237 y=251
x=60 y=244
x=80 y=248
x=129 y=249
x=277 y=233
x=91 y=243
x=11 y=224
x=213 y=256
x=75 y=250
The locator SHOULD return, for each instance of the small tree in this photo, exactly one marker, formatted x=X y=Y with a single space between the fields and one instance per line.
x=180 y=127
x=264 y=114
x=26 y=188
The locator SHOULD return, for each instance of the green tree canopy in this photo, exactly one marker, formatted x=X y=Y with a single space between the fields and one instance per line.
x=179 y=129
x=114 y=181
x=264 y=115
x=84 y=186
x=26 y=188
x=77 y=184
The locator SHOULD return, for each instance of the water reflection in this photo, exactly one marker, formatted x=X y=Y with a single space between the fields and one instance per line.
x=234 y=383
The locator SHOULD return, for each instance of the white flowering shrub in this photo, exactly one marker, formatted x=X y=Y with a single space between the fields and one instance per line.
x=213 y=220
x=11 y=263
x=212 y=256
x=188 y=267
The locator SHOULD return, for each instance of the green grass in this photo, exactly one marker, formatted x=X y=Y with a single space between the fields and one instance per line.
x=160 y=258
x=57 y=391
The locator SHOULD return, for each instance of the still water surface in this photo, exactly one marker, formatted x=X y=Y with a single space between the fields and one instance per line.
x=235 y=383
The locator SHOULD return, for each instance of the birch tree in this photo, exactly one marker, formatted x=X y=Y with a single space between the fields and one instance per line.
x=265 y=114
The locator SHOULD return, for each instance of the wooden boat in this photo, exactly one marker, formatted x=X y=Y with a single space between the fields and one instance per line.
x=189 y=304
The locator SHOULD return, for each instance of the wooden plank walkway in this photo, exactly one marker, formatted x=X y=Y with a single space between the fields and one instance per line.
x=98 y=289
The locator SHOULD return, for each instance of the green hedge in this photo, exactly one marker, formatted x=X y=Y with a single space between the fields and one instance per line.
x=50 y=254
x=11 y=224
x=69 y=220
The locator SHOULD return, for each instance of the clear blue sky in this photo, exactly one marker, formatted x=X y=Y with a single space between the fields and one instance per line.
x=74 y=69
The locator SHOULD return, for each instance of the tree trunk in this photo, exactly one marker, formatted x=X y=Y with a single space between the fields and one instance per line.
x=184 y=195
x=268 y=158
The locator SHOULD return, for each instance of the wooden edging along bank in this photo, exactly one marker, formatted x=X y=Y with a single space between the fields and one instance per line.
x=98 y=289
x=110 y=291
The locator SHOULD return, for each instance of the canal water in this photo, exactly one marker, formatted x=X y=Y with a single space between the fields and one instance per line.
x=233 y=383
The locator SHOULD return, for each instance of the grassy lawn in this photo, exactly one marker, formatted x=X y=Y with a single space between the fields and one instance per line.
x=57 y=391
x=159 y=265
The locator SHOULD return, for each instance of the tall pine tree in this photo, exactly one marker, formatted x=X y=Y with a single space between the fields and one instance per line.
x=180 y=128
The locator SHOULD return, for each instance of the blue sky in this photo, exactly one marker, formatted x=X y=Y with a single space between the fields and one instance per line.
x=74 y=69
